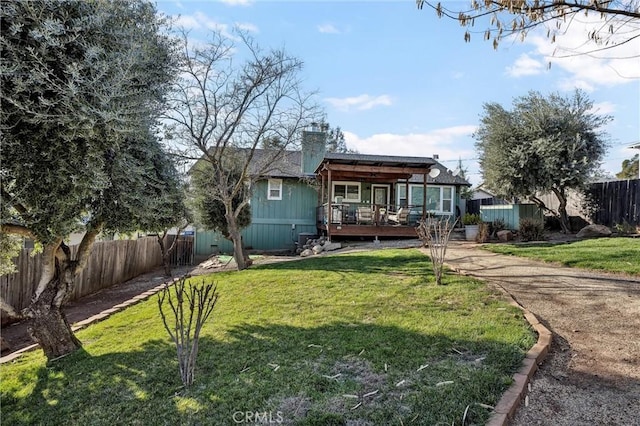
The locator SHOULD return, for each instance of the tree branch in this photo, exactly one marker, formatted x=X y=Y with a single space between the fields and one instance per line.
x=84 y=250
x=21 y=230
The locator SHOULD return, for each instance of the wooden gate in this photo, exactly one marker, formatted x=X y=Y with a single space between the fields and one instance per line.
x=182 y=254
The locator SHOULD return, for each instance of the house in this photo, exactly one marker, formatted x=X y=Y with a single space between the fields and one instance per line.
x=341 y=195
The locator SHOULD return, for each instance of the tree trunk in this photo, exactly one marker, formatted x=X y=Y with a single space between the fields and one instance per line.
x=562 y=211
x=48 y=325
x=166 y=254
x=239 y=253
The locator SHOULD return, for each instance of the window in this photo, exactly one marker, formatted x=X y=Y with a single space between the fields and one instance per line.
x=274 y=189
x=348 y=191
x=439 y=198
x=447 y=199
x=402 y=195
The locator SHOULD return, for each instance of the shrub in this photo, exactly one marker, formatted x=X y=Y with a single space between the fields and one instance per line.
x=471 y=219
x=531 y=230
x=483 y=232
x=625 y=228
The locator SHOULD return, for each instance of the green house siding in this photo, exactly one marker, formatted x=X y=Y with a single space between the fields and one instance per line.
x=275 y=224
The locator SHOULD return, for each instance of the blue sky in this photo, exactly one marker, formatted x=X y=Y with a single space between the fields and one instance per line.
x=400 y=81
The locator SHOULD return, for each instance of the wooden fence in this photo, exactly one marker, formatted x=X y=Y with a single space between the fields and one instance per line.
x=615 y=202
x=110 y=263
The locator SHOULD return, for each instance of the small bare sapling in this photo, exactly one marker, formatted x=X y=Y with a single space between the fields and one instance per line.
x=435 y=234
x=188 y=306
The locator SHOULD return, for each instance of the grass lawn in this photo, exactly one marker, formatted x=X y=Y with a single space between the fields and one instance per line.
x=607 y=254
x=359 y=339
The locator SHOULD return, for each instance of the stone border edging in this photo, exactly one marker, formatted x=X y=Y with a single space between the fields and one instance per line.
x=513 y=396
x=95 y=318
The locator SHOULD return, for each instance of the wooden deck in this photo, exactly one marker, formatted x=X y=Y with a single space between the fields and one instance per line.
x=354 y=230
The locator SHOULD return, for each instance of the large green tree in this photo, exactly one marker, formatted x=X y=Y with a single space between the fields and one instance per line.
x=630 y=168
x=82 y=87
x=232 y=100
x=543 y=144
x=497 y=19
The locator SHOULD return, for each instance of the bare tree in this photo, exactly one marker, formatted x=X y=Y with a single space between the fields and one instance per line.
x=191 y=305
x=223 y=111
x=435 y=233
x=619 y=20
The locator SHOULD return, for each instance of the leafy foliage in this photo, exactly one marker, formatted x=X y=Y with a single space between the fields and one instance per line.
x=9 y=248
x=544 y=144
x=629 y=168
x=210 y=211
x=82 y=83
x=471 y=219
x=335 y=139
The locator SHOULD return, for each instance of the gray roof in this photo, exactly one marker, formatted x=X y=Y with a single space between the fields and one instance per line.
x=375 y=160
x=446 y=177
x=290 y=165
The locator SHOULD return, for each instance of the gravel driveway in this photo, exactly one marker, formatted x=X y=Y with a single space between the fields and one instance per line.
x=592 y=373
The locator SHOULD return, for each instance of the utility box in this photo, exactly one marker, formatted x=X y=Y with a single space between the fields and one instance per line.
x=303 y=237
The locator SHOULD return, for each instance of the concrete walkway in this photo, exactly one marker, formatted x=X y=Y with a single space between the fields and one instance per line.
x=592 y=373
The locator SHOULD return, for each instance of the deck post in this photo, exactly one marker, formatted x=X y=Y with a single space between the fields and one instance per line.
x=424 y=196
x=329 y=206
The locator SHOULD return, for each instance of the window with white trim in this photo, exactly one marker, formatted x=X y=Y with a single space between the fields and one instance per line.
x=274 y=189
x=347 y=191
x=439 y=198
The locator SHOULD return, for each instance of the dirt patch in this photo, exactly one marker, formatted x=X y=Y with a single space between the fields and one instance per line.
x=592 y=373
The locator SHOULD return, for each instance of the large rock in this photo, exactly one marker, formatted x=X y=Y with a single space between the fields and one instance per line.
x=594 y=231
x=317 y=249
x=505 y=235
x=306 y=253
x=328 y=246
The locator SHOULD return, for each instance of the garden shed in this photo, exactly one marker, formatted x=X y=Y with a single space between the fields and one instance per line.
x=511 y=214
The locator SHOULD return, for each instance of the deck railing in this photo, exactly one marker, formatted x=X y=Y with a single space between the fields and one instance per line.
x=369 y=214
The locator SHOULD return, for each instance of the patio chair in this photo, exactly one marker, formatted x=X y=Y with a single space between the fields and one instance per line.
x=399 y=217
x=364 y=215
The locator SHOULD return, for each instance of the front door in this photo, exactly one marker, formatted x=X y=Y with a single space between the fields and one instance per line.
x=381 y=196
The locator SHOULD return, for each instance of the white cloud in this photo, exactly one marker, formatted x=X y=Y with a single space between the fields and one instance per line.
x=525 y=65
x=199 y=21
x=446 y=142
x=237 y=2
x=457 y=75
x=588 y=67
x=362 y=102
x=605 y=107
x=328 y=29
x=247 y=26
x=188 y=22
